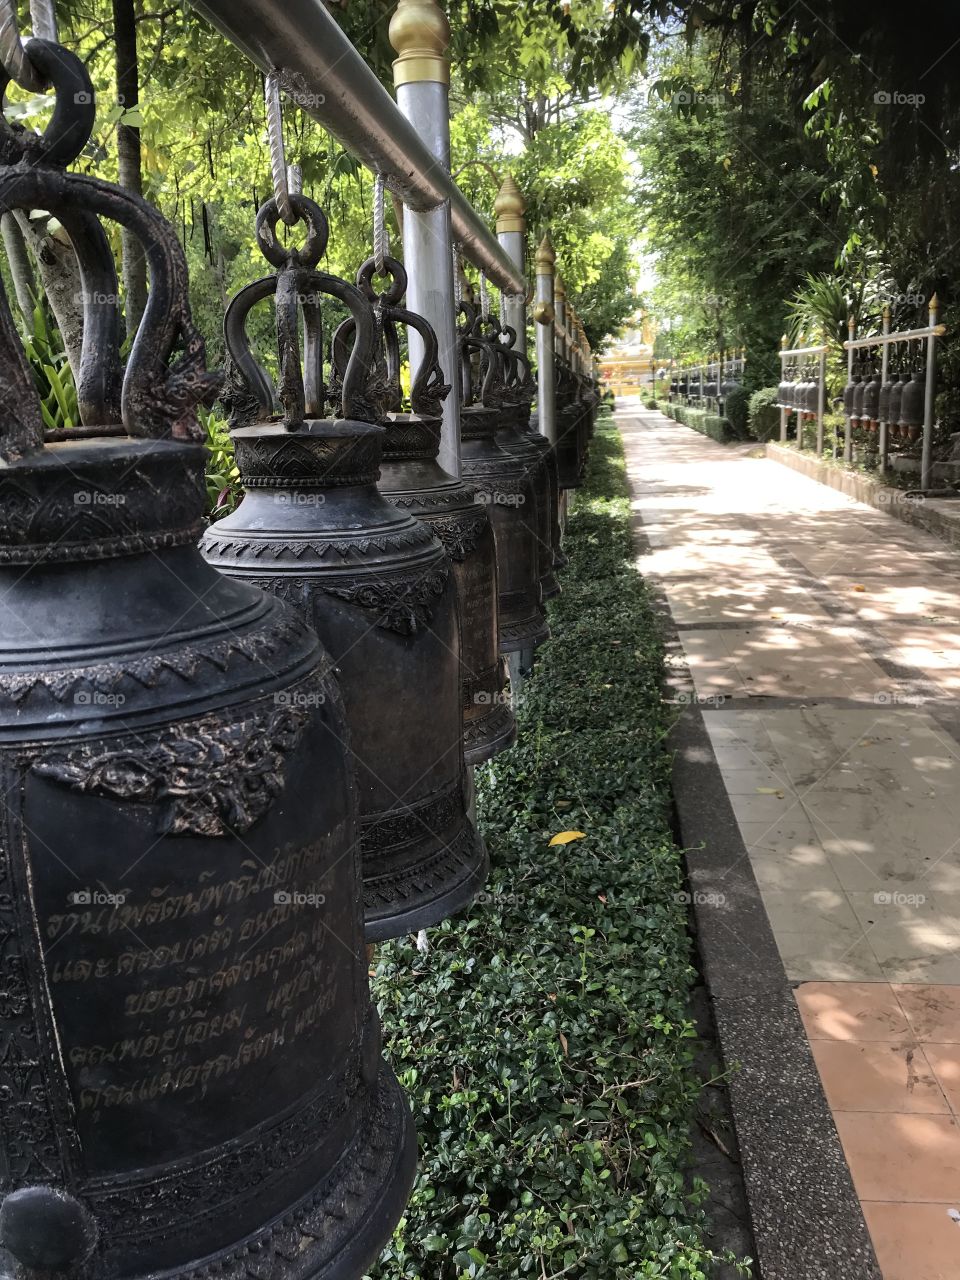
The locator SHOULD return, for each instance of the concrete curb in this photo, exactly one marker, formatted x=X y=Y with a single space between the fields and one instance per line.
x=941 y=517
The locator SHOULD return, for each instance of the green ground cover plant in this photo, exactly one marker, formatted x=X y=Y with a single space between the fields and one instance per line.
x=544 y=1040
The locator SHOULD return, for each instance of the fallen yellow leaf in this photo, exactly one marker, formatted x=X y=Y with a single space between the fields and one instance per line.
x=564 y=837
x=563 y=1042
x=858 y=586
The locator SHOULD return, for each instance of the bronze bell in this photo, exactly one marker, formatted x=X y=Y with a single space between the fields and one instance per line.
x=912 y=402
x=515 y=437
x=191 y=1076
x=413 y=480
x=504 y=482
x=569 y=412
x=373 y=581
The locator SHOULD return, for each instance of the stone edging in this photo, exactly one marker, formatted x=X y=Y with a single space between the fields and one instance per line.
x=923 y=513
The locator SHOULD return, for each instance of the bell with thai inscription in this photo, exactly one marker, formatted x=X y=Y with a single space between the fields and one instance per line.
x=504 y=482
x=191 y=1081
x=412 y=479
x=373 y=581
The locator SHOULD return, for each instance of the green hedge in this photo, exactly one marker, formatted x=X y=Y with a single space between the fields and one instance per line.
x=708 y=424
x=764 y=416
x=544 y=1040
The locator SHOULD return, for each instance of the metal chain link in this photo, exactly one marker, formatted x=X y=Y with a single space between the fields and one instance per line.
x=381 y=239
x=13 y=55
x=295 y=179
x=457 y=291
x=278 y=163
x=43 y=19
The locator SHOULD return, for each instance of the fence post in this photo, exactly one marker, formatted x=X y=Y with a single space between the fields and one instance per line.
x=543 y=314
x=510 y=208
x=848 y=431
x=783 y=410
x=420 y=33
x=884 y=443
x=821 y=399
x=926 y=454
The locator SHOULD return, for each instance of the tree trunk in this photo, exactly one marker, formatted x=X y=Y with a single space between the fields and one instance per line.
x=21 y=272
x=60 y=276
x=128 y=156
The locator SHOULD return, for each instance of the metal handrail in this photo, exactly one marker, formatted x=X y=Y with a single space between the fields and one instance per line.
x=325 y=76
x=903 y=335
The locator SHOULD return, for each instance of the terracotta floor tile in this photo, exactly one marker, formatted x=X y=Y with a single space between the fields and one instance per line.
x=867 y=1012
x=944 y=1060
x=914 y=1241
x=878 y=1077
x=932 y=1011
x=901 y=1157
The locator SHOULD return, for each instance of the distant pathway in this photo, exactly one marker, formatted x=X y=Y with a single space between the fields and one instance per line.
x=823 y=642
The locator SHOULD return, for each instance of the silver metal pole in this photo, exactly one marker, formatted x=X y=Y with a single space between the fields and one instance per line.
x=510 y=207
x=783 y=411
x=543 y=314
x=848 y=433
x=422 y=77
x=926 y=455
x=821 y=400
x=325 y=76
x=884 y=444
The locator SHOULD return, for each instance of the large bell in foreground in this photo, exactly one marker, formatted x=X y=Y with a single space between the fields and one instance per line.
x=191 y=1081
x=503 y=482
x=374 y=582
x=412 y=479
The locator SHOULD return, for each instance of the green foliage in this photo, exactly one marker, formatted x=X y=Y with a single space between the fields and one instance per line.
x=51 y=371
x=736 y=408
x=708 y=424
x=545 y=1040
x=764 y=417
x=224 y=490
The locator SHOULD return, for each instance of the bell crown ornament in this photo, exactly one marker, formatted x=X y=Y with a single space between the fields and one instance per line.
x=192 y=1072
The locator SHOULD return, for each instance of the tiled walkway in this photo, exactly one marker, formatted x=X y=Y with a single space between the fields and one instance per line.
x=823 y=642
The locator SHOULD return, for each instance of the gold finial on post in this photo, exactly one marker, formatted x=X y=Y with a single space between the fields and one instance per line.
x=851 y=322
x=510 y=207
x=558 y=290
x=934 y=306
x=420 y=33
x=545 y=257
x=886 y=311
x=784 y=342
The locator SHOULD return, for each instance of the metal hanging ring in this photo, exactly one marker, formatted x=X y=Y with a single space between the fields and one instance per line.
x=278 y=161
x=393 y=294
x=277 y=254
